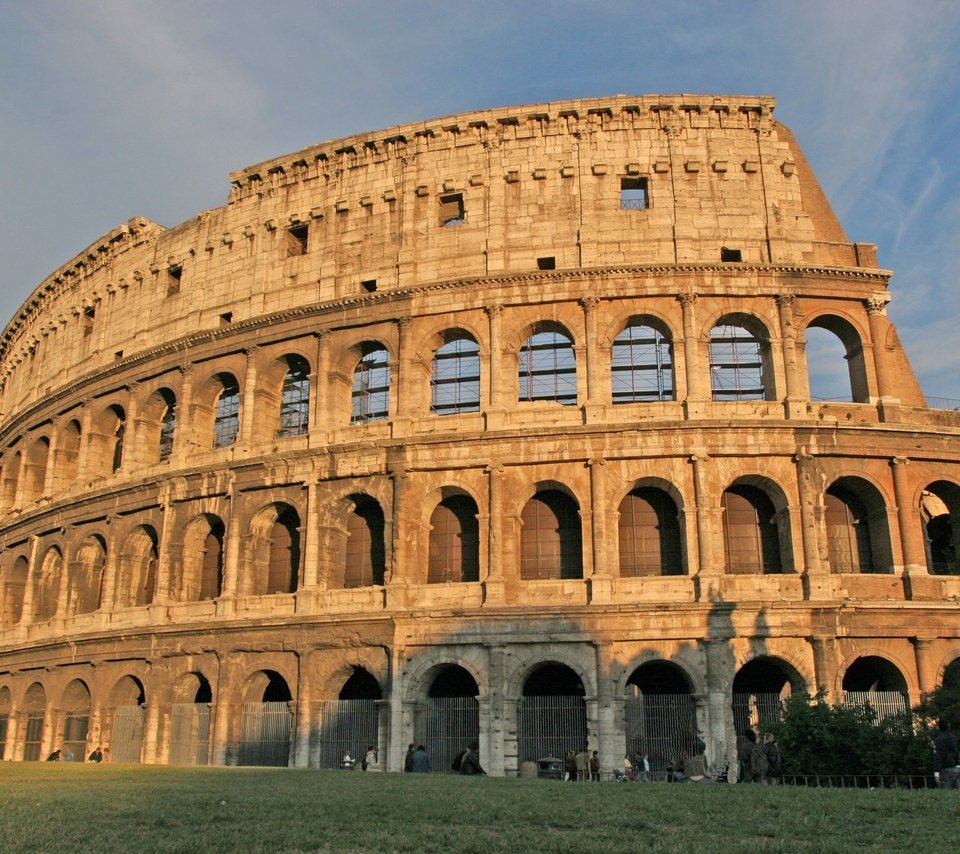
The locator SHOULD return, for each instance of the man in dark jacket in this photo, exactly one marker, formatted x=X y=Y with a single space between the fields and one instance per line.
x=470 y=764
x=946 y=762
x=420 y=761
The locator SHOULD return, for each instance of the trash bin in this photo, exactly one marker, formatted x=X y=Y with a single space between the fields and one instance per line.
x=550 y=768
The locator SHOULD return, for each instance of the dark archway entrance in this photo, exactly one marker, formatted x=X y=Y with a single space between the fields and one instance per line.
x=552 y=714
x=351 y=723
x=874 y=681
x=660 y=717
x=190 y=722
x=266 y=721
x=759 y=690
x=449 y=717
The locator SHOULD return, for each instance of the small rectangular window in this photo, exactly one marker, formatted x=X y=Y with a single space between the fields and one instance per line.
x=174 y=275
x=226 y=318
x=633 y=194
x=451 y=209
x=297 y=236
x=369 y=285
x=88 y=315
x=547 y=263
x=730 y=254
x=118 y=355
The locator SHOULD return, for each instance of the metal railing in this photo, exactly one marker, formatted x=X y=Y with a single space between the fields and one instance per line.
x=943 y=403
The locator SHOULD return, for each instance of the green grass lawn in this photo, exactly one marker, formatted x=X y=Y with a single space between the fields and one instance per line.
x=65 y=807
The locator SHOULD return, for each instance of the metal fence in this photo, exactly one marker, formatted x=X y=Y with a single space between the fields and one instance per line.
x=444 y=726
x=347 y=726
x=189 y=734
x=265 y=734
x=756 y=711
x=3 y=736
x=664 y=726
x=75 y=728
x=883 y=703
x=33 y=738
x=550 y=726
x=127 y=740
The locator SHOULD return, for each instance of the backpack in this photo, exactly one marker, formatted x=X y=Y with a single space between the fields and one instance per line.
x=758 y=762
x=457 y=762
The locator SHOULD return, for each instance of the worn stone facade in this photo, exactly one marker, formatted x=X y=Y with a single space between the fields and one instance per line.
x=505 y=404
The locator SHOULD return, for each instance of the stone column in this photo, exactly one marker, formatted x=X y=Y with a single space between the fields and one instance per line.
x=877 y=318
x=248 y=402
x=398 y=570
x=131 y=450
x=164 y=571
x=13 y=729
x=704 y=562
x=926 y=674
x=233 y=538
x=696 y=373
x=825 y=664
x=52 y=471
x=594 y=396
x=601 y=579
x=311 y=539
x=301 y=749
x=33 y=572
x=495 y=379
x=184 y=438
x=493 y=734
x=788 y=343
x=494 y=582
x=808 y=521
x=108 y=585
x=151 y=727
x=914 y=554
x=403 y=379
x=721 y=737
x=322 y=404
x=220 y=736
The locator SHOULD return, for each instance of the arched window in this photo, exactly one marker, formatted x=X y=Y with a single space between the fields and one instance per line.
x=47 y=587
x=86 y=577
x=454 y=541
x=649 y=534
x=202 y=564
x=641 y=367
x=284 y=560
x=750 y=535
x=550 y=537
x=137 y=572
x=116 y=426
x=737 y=367
x=35 y=469
x=548 y=368
x=168 y=423
x=455 y=379
x=14 y=584
x=69 y=455
x=365 y=551
x=848 y=531
x=371 y=386
x=835 y=363
x=295 y=398
x=11 y=479
x=226 y=422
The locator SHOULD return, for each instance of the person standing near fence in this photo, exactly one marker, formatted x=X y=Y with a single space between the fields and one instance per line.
x=774 y=758
x=946 y=761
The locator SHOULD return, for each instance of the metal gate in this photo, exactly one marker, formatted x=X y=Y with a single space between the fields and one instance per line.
x=265 y=734
x=756 y=711
x=75 y=727
x=33 y=738
x=883 y=703
x=189 y=734
x=127 y=740
x=444 y=725
x=3 y=736
x=347 y=726
x=663 y=726
x=550 y=726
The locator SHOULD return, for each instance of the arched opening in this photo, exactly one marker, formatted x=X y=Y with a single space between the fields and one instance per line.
x=351 y=723
x=751 y=535
x=35 y=469
x=641 y=364
x=835 y=363
x=951 y=675
x=454 y=552
x=875 y=682
x=548 y=367
x=660 y=717
x=551 y=544
x=455 y=376
x=11 y=479
x=202 y=564
x=68 y=465
x=14 y=585
x=137 y=569
x=76 y=721
x=106 y=447
x=295 y=398
x=940 y=518
x=370 y=395
x=86 y=580
x=759 y=690
x=266 y=719
x=649 y=532
x=190 y=721
x=156 y=427
x=47 y=588
x=365 y=554
x=552 y=715
x=5 y=703
x=128 y=700
x=448 y=718
x=858 y=535
x=739 y=360
x=226 y=418
x=34 y=707
x=273 y=558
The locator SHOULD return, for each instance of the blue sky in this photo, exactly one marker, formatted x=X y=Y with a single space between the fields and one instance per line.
x=114 y=109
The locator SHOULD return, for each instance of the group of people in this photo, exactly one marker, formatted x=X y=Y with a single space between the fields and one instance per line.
x=581 y=766
x=760 y=761
x=417 y=760
x=59 y=756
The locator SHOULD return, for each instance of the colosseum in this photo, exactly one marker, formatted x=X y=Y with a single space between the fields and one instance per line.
x=499 y=426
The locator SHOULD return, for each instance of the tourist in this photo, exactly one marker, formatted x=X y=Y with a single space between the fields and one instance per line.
x=371 y=762
x=570 y=766
x=582 y=761
x=946 y=761
x=55 y=756
x=753 y=763
x=96 y=755
x=470 y=763
x=408 y=759
x=348 y=762
x=595 y=767
x=644 y=769
x=771 y=750
x=628 y=771
x=420 y=761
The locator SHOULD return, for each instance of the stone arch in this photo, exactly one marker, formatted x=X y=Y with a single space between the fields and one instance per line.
x=530 y=659
x=871 y=673
x=192 y=687
x=46 y=591
x=760 y=687
x=14 y=587
x=13 y=462
x=137 y=568
x=425 y=668
x=216 y=408
x=128 y=690
x=75 y=703
x=547 y=364
x=68 y=456
x=757 y=534
x=35 y=468
x=857 y=527
x=201 y=566
x=650 y=533
x=455 y=372
x=126 y=719
x=156 y=426
x=106 y=446
x=939 y=504
x=34 y=708
x=273 y=554
x=551 y=535
x=367 y=383
x=949 y=674
x=359 y=549
x=453 y=547
x=361 y=684
x=552 y=718
x=642 y=361
x=741 y=366
x=286 y=389
x=822 y=362
x=86 y=577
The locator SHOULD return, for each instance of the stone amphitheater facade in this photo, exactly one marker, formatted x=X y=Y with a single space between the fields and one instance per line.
x=497 y=426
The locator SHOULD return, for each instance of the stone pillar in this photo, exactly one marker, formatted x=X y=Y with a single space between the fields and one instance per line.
x=52 y=471
x=311 y=539
x=220 y=715
x=131 y=450
x=494 y=733
x=85 y=452
x=166 y=549
x=808 y=518
x=232 y=538
x=493 y=584
x=609 y=740
x=494 y=372
x=926 y=673
x=403 y=379
x=601 y=579
x=704 y=562
x=322 y=404
x=825 y=665
x=721 y=737
x=248 y=412
x=398 y=570
x=184 y=441
x=594 y=396
x=300 y=755
x=696 y=373
x=33 y=572
x=151 y=727
x=877 y=318
x=13 y=729
x=908 y=522
x=791 y=375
